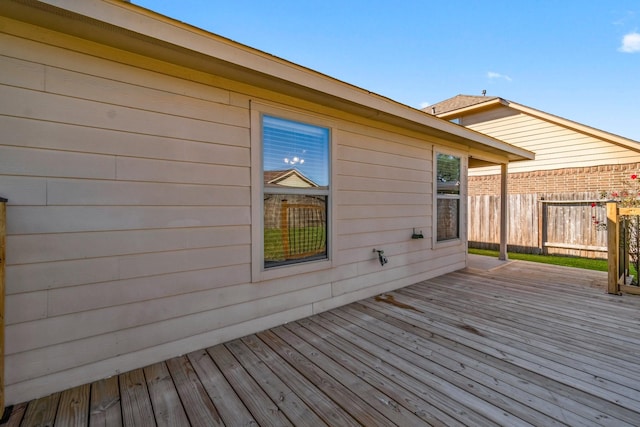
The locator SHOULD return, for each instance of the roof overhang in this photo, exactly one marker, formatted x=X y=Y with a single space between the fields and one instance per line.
x=125 y=26
x=557 y=120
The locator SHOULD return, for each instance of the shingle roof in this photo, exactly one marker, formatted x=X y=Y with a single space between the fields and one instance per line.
x=457 y=102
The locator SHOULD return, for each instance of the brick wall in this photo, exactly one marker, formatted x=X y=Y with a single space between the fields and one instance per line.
x=569 y=180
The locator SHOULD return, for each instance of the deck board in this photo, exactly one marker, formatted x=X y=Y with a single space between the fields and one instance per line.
x=198 y=406
x=522 y=322
x=232 y=410
x=320 y=403
x=522 y=344
x=135 y=400
x=374 y=397
x=42 y=412
x=263 y=408
x=565 y=338
x=561 y=404
x=595 y=377
x=406 y=353
x=364 y=366
x=327 y=384
x=105 y=410
x=15 y=414
x=166 y=403
x=532 y=360
x=73 y=408
x=294 y=408
x=494 y=372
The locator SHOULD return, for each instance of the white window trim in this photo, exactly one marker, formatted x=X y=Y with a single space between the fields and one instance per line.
x=258 y=272
x=464 y=169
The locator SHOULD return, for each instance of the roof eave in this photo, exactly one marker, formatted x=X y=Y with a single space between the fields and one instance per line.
x=560 y=121
x=110 y=22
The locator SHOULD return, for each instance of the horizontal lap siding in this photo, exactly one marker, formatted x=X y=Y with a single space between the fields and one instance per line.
x=129 y=213
x=384 y=190
x=555 y=147
x=129 y=217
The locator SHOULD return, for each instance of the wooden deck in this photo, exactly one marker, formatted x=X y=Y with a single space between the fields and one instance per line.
x=522 y=344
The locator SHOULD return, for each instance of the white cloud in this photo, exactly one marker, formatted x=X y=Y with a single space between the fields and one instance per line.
x=628 y=16
x=630 y=43
x=424 y=105
x=493 y=75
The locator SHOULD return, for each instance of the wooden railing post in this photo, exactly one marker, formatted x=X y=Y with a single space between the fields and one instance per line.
x=623 y=249
x=3 y=232
x=613 y=248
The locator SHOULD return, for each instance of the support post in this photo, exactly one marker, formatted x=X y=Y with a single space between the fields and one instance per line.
x=504 y=214
x=3 y=233
x=613 y=237
x=542 y=208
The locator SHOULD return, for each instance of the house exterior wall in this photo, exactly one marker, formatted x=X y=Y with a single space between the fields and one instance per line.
x=129 y=230
x=556 y=147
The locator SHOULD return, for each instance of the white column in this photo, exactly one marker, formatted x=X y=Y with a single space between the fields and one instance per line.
x=504 y=212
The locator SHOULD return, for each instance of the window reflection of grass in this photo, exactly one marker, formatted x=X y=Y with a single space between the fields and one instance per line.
x=308 y=239
x=273 y=250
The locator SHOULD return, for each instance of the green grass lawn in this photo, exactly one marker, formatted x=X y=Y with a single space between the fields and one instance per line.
x=586 y=263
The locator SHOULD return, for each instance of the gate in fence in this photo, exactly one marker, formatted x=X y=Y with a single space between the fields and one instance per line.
x=623 y=238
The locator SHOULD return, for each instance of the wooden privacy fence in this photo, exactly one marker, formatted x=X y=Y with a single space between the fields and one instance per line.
x=559 y=224
x=623 y=235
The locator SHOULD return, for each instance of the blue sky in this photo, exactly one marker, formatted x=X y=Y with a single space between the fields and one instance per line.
x=578 y=59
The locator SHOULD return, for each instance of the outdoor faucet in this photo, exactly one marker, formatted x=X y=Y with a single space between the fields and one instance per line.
x=383 y=259
x=417 y=235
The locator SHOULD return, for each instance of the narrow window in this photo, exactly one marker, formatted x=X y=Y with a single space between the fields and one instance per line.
x=295 y=191
x=448 y=197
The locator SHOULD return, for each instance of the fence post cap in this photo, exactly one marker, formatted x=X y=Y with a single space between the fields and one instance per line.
x=3 y=200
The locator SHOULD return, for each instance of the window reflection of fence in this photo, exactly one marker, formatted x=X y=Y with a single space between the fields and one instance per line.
x=448 y=219
x=623 y=238
x=303 y=231
x=295 y=228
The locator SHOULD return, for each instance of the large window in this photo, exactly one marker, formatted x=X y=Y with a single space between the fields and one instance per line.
x=295 y=191
x=448 y=171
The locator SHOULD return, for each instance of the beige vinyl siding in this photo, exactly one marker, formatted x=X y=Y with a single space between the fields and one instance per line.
x=556 y=147
x=384 y=185
x=379 y=200
x=129 y=217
